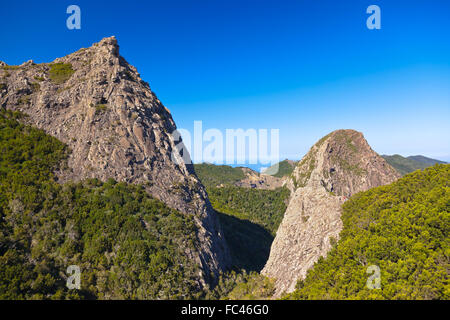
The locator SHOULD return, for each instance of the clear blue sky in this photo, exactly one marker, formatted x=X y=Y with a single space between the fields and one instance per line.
x=306 y=67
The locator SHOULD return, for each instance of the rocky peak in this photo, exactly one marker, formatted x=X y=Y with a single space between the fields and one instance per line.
x=343 y=163
x=116 y=127
x=336 y=167
x=110 y=45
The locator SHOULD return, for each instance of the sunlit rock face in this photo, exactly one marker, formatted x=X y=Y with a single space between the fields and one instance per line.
x=336 y=167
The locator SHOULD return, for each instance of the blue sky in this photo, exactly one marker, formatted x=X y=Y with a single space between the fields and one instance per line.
x=305 y=67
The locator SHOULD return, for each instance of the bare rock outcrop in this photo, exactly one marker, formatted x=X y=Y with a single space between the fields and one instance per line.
x=116 y=127
x=256 y=180
x=336 y=167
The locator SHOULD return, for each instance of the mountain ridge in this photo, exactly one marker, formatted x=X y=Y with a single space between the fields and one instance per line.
x=116 y=127
x=409 y=164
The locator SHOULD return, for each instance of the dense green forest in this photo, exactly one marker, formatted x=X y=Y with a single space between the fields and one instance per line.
x=410 y=164
x=127 y=244
x=263 y=207
x=215 y=175
x=242 y=285
x=403 y=228
x=249 y=217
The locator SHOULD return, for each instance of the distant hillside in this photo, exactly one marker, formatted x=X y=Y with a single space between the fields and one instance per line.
x=284 y=169
x=213 y=175
x=401 y=228
x=410 y=164
x=222 y=175
x=426 y=160
x=250 y=219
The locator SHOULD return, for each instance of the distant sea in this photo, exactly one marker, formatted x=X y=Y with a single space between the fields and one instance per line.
x=256 y=167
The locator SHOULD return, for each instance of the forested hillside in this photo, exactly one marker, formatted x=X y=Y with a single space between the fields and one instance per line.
x=410 y=164
x=403 y=228
x=426 y=160
x=215 y=175
x=263 y=207
x=250 y=217
x=126 y=243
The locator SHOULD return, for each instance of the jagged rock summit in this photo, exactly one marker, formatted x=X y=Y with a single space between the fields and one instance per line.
x=336 y=167
x=116 y=127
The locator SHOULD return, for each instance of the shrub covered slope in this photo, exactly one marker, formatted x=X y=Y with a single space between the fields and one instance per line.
x=126 y=243
x=403 y=228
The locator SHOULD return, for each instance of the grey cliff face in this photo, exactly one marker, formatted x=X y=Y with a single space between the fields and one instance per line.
x=116 y=128
x=336 y=167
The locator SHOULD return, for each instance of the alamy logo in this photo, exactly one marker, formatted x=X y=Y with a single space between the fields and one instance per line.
x=74 y=20
x=374 y=281
x=74 y=280
x=374 y=20
x=234 y=146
